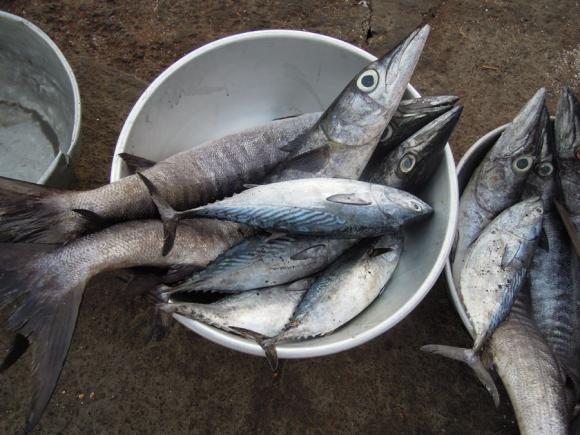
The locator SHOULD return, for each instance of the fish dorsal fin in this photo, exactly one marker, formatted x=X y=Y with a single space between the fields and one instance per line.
x=312 y=252
x=375 y=252
x=349 y=199
x=136 y=163
x=274 y=236
x=250 y=186
x=512 y=256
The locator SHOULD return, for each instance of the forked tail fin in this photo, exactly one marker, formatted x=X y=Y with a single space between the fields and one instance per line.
x=470 y=358
x=268 y=344
x=45 y=299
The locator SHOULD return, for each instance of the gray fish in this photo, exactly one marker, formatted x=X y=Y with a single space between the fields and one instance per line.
x=414 y=161
x=494 y=271
x=343 y=140
x=340 y=294
x=530 y=373
x=265 y=311
x=214 y=170
x=260 y=262
x=329 y=207
x=498 y=181
x=411 y=116
x=44 y=286
x=567 y=130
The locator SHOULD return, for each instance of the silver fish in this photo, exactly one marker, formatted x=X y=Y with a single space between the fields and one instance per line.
x=341 y=293
x=414 y=161
x=411 y=116
x=530 y=374
x=214 y=170
x=260 y=262
x=498 y=181
x=328 y=207
x=494 y=271
x=265 y=311
x=567 y=130
x=343 y=140
x=45 y=290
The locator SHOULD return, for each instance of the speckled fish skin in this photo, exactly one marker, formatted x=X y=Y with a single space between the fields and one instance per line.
x=265 y=311
x=414 y=161
x=496 y=265
x=320 y=207
x=44 y=291
x=260 y=262
x=191 y=178
x=567 y=131
x=411 y=116
x=498 y=181
x=530 y=374
x=345 y=289
x=348 y=132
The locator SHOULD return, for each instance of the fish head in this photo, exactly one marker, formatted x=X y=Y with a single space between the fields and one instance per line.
x=524 y=219
x=362 y=111
x=512 y=158
x=398 y=206
x=414 y=160
x=567 y=127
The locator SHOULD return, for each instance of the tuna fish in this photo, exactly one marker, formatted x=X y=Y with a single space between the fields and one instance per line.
x=265 y=311
x=494 y=271
x=342 y=292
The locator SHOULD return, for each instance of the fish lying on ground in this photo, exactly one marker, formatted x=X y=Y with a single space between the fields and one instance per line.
x=498 y=181
x=259 y=262
x=328 y=207
x=341 y=293
x=494 y=271
x=265 y=311
x=415 y=160
x=47 y=288
x=530 y=373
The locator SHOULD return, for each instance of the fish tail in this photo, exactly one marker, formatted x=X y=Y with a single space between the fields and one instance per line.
x=33 y=213
x=43 y=300
x=471 y=358
x=266 y=343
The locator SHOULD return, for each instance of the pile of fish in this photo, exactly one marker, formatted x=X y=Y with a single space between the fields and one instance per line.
x=516 y=269
x=274 y=215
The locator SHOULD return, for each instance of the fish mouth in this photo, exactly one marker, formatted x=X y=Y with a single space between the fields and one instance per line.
x=400 y=62
x=434 y=136
x=522 y=133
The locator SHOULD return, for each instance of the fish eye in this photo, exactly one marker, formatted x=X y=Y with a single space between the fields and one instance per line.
x=545 y=169
x=407 y=163
x=522 y=164
x=416 y=205
x=368 y=80
x=539 y=210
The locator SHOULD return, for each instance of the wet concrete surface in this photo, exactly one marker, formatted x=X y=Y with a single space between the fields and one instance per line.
x=119 y=378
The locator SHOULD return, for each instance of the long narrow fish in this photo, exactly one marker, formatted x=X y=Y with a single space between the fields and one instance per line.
x=265 y=311
x=530 y=373
x=340 y=294
x=494 y=272
x=343 y=140
x=411 y=116
x=498 y=181
x=45 y=290
x=567 y=131
x=328 y=207
x=260 y=262
x=409 y=165
x=214 y=170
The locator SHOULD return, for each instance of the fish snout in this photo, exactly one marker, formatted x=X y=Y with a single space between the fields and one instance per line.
x=400 y=206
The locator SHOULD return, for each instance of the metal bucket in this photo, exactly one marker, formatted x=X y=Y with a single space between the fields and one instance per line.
x=247 y=80
x=468 y=163
x=40 y=109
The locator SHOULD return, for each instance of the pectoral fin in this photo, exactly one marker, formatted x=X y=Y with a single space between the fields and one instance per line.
x=136 y=163
x=348 y=198
x=512 y=256
x=312 y=252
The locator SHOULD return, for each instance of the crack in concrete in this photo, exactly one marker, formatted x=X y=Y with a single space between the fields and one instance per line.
x=368 y=29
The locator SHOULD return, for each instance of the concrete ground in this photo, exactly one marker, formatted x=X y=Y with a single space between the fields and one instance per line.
x=118 y=379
